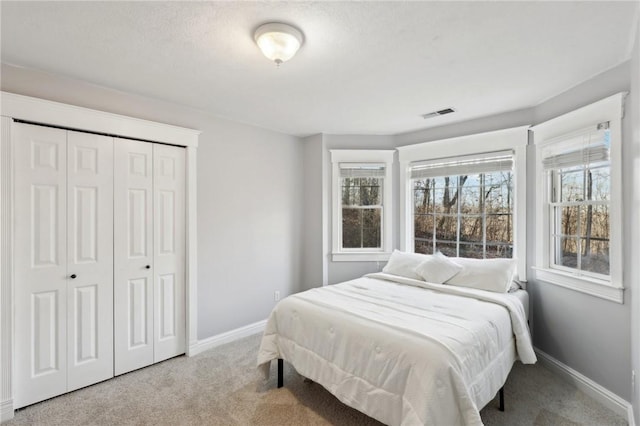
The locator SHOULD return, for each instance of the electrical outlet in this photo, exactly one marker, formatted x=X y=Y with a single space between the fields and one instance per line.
x=276 y=295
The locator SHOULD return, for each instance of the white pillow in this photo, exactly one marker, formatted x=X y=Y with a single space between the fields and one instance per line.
x=404 y=264
x=438 y=269
x=485 y=274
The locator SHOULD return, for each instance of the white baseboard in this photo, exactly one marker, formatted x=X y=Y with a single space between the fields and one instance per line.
x=6 y=410
x=588 y=386
x=227 y=337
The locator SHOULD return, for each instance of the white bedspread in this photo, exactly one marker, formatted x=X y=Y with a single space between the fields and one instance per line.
x=402 y=354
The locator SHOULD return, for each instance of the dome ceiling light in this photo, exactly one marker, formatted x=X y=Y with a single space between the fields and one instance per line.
x=279 y=42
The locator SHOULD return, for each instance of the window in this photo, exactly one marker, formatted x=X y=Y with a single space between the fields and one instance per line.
x=579 y=200
x=578 y=173
x=464 y=215
x=361 y=204
x=466 y=197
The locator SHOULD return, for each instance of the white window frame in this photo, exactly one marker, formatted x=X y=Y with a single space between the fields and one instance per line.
x=556 y=130
x=340 y=254
x=514 y=139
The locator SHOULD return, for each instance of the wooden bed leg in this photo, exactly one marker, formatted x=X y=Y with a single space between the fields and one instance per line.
x=280 y=372
x=501 y=408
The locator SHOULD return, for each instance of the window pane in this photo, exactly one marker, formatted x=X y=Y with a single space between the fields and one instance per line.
x=568 y=220
x=448 y=249
x=423 y=246
x=572 y=185
x=471 y=229
x=566 y=251
x=499 y=228
x=470 y=202
x=446 y=227
x=499 y=251
x=361 y=191
x=370 y=194
x=595 y=256
x=471 y=250
x=371 y=228
x=423 y=197
x=594 y=221
x=446 y=195
x=351 y=228
x=599 y=188
x=350 y=194
x=423 y=226
x=421 y=184
x=498 y=192
x=361 y=228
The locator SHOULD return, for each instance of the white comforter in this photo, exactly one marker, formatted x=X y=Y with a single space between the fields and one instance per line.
x=402 y=354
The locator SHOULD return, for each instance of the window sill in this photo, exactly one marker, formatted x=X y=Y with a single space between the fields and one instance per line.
x=360 y=256
x=591 y=286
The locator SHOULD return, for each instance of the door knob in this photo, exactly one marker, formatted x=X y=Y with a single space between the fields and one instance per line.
x=147 y=267
x=73 y=276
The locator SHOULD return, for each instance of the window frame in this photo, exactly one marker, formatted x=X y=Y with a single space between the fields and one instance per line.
x=364 y=157
x=480 y=144
x=556 y=131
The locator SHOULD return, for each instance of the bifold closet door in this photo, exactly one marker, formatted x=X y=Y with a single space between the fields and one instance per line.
x=89 y=259
x=149 y=254
x=63 y=261
x=40 y=268
x=169 y=187
x=133 y=286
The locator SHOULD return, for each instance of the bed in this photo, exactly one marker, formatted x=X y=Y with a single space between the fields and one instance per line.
x=402 y=350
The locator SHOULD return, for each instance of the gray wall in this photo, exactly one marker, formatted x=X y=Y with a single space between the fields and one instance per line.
x=250 y=194
x=632 y=193
x=313 y=264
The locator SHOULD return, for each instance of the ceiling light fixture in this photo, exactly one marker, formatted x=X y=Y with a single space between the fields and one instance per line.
x=279 y=42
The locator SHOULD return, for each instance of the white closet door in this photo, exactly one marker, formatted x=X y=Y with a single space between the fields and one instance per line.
x=41 y=279
x=133 y=224
x=89 y=259
x=169 y=251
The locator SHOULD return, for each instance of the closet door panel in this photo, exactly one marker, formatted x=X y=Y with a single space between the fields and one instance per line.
x=90 y=259
x=169 y=251
x=133 y=292
x=40 y=263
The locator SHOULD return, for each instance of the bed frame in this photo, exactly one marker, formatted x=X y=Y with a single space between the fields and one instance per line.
x=281 y=383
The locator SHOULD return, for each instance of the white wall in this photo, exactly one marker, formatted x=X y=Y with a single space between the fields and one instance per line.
x=250 y=194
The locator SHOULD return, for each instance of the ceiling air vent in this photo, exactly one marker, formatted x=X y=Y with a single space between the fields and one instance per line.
x=438 y=113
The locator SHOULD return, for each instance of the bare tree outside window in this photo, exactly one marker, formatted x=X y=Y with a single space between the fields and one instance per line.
x=580 y=210
x=361 y=212
x=465 y=216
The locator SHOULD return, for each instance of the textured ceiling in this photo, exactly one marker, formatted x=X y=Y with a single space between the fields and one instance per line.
x=365 y=67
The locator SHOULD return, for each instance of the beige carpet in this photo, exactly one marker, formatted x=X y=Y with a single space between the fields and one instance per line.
x=223 y=387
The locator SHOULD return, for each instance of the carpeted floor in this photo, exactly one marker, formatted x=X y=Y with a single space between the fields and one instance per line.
x=223 y=387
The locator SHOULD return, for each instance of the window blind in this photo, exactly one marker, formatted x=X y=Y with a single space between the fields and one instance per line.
x=361 y=170
x=463 y=165
x=588 y=147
